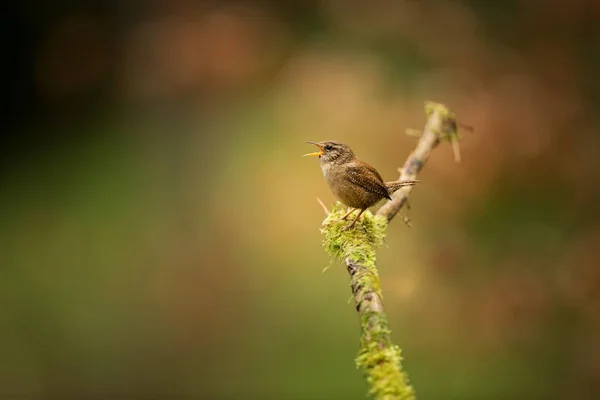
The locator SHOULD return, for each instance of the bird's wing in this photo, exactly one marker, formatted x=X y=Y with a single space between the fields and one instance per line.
x=368 y=178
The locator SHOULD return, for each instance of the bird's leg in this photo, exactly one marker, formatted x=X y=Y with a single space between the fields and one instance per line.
x=355 y=219
x=350 y=211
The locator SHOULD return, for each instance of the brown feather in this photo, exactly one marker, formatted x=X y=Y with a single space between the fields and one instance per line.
x=367 y=177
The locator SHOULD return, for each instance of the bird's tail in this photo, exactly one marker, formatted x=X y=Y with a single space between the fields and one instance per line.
x=393 y=186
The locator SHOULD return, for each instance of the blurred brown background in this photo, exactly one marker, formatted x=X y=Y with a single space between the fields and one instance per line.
x=159 y=232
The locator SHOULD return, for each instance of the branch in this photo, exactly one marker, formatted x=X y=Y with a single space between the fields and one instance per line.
x=379 y=358
x=441 y=124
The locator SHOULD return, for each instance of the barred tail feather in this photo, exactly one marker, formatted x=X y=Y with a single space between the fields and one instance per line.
x=392 y=187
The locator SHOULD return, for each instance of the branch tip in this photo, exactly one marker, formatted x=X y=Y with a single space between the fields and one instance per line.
x=414 y=132
x=455 y=148
x=324 y=207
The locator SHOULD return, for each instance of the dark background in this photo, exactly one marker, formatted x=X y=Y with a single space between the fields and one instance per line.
x=159 y=232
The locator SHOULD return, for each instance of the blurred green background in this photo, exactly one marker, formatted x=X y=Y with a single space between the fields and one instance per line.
x=159 y=232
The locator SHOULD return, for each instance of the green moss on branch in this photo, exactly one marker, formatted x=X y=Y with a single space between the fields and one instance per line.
x=378 y=358
x=360 y=243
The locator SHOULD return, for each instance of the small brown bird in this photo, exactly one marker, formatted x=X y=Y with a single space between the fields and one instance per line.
x=354 y=182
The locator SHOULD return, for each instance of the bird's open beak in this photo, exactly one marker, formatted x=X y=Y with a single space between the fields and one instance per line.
x=316 y=153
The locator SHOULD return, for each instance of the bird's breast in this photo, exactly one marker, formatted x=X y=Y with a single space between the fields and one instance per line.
x=325 y=167
x=345 y=191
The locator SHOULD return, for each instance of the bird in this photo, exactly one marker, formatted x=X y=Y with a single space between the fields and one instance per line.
x=355 y=183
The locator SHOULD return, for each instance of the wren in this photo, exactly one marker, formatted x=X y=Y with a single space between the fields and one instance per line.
x=353 y=182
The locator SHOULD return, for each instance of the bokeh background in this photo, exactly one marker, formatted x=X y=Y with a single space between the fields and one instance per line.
x=159 y=232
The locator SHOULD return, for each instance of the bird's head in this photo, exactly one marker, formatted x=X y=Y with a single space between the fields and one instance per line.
x=332 y=152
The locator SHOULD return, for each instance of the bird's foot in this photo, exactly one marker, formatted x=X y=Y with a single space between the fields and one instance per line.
x=354 y=220
x=349 y=226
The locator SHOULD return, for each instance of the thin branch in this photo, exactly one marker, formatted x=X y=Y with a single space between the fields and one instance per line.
x=379 y=358
x=323 y=205
x=440 y=125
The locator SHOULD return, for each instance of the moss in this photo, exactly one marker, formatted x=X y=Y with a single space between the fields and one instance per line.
x=381 y=361
x=449 y=127
x=449 y=130
x=378 y=358
x=360 y=243
x=431 y=107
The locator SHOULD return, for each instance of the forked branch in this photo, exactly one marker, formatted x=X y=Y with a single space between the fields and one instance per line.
x=379 y=358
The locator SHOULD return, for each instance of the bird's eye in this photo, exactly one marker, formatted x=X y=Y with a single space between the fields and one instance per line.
x=328 y=147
